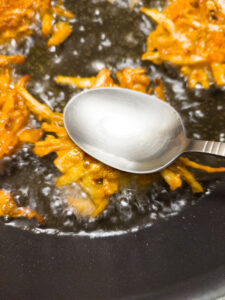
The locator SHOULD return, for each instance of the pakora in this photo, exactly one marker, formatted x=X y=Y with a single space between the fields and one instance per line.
x=19 y=18
x=190 y=34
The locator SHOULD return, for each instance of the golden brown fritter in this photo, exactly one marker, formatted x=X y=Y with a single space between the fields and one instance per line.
x=18 y=18
x=9 y=208
x=191 y=35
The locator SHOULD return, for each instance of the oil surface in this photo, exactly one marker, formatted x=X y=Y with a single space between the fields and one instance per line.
x=112 y=36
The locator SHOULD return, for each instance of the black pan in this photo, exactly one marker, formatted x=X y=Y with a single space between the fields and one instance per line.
x=182 y=258
x=179 y=257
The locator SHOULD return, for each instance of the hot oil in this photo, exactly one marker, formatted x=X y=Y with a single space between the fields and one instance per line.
x=112 y=36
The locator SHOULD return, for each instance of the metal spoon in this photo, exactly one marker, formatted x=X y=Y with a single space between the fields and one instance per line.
x=130 y=131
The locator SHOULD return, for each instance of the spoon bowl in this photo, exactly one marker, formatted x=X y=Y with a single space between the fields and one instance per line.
x=128 y=130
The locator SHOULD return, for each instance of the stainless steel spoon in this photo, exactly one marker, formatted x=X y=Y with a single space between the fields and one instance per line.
x=130 y=131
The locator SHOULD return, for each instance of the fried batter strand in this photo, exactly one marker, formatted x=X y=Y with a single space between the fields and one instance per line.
x=13 y=114
x=18 y=19
x=60 y=32
x=134 y=79
x=9 y=208
x=14 y=129
x=191 y=35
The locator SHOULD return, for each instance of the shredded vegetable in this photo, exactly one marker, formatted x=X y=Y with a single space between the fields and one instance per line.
x=9 y=208
x=18 y=18
x=191 y=35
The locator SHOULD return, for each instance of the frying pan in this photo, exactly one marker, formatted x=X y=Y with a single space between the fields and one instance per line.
x=181 y=257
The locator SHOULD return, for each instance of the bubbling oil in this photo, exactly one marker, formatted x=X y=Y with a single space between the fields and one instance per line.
x=112 y=36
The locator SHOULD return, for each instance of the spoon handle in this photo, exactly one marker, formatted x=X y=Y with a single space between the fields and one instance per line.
x=210 y=147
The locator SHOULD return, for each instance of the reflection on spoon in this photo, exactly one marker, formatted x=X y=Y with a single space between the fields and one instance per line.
x=129 y=130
